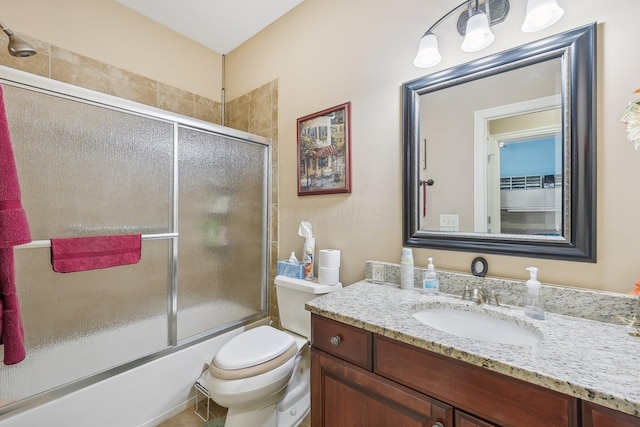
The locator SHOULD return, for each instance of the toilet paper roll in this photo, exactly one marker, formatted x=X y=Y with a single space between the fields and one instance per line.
x=328 y=276
x=329 y=258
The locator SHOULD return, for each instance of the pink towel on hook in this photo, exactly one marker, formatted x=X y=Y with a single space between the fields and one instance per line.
x=14 y=230
x=91 y=253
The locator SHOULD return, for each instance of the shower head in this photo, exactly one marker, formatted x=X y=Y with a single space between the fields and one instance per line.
x=17 y=46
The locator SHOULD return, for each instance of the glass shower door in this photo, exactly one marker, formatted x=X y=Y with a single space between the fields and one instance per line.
x=87 y=170
x=222 y=214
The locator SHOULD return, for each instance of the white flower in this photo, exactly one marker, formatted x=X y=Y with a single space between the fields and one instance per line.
x=631 y=117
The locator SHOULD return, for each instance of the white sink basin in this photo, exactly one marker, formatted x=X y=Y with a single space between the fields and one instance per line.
x=477 y=326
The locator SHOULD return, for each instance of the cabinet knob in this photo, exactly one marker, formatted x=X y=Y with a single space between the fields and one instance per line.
x=438 y=424
x=335 y=340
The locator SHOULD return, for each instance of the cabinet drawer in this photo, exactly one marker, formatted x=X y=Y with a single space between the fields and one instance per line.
x=492 y=396
x=344 y=341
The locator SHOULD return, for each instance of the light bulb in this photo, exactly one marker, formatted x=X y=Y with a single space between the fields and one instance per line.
x=428 y=53
x=478 y=34
x=541 y=14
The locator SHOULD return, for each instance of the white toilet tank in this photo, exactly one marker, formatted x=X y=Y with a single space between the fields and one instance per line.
x=292 y=295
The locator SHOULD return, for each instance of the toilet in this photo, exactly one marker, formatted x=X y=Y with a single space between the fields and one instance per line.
x=262 y=375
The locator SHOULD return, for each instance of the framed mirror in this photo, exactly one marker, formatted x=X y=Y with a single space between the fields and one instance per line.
x=500 y=152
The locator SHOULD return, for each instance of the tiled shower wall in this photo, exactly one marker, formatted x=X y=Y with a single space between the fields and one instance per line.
x=255 y=112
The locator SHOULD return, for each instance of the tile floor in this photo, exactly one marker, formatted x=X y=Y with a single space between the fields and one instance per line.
x=188 y=418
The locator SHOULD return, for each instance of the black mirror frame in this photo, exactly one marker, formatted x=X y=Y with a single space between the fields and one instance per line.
x=577 y=49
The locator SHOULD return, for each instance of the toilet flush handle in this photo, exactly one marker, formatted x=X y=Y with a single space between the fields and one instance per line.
x=335 y=340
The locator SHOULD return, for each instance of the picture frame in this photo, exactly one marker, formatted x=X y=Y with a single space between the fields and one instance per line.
x=324 y=151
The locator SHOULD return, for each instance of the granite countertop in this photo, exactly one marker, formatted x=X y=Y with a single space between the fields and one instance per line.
x=595 y=361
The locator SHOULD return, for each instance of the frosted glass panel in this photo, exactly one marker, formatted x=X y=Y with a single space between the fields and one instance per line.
x=89 y=170
x=222 y=215
x=78 y=324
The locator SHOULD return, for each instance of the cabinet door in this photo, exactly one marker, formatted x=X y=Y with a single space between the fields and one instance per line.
x=495 y=397
x=598 y=416
x=344 y=395
x=466 y=420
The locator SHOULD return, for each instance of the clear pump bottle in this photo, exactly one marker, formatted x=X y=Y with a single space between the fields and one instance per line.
x=431 y=283
x=533 y=305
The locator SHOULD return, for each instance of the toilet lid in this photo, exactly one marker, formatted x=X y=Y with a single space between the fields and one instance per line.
x=255 y=346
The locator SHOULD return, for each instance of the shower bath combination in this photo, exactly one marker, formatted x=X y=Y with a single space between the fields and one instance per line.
x=17 y=47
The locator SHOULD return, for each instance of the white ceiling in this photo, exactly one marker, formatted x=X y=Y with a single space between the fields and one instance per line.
x=220 y=25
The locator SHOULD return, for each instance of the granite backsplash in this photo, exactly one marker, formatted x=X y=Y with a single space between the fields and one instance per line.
x=589 y=304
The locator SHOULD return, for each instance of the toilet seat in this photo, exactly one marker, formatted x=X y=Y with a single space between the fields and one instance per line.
x=252 y=353
x=252 y=371
x=252 y=347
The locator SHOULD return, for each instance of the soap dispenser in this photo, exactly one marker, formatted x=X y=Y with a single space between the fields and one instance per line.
x=533 y=306
x=431 y=283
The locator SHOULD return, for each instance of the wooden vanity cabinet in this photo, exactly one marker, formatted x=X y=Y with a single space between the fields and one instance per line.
x=348 y=394
x=361 y=379
x=489 y=395
x=598 y=416
x=344 y=395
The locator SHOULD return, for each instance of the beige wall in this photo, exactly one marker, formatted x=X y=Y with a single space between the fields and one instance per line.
x=326 y=52
x=108 y=32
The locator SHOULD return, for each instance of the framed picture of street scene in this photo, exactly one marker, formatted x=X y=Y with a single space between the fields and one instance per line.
x=324 y=151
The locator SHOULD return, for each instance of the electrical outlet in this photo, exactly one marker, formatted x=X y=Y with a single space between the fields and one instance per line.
x=377 y=273
x=449 y=222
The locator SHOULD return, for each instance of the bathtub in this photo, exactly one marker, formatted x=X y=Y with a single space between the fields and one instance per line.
x=144 y=396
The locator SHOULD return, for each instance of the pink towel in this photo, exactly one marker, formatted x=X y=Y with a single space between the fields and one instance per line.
x=14 y=230
x=91 y=253
x=11 y=332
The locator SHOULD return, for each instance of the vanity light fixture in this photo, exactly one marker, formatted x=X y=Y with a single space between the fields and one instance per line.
x=478 y=35
x=475 y=22
x=17 y=47
x=541 y=14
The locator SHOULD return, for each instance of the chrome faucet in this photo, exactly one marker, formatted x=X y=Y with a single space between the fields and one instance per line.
x=480 y=295
x=493 y=297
